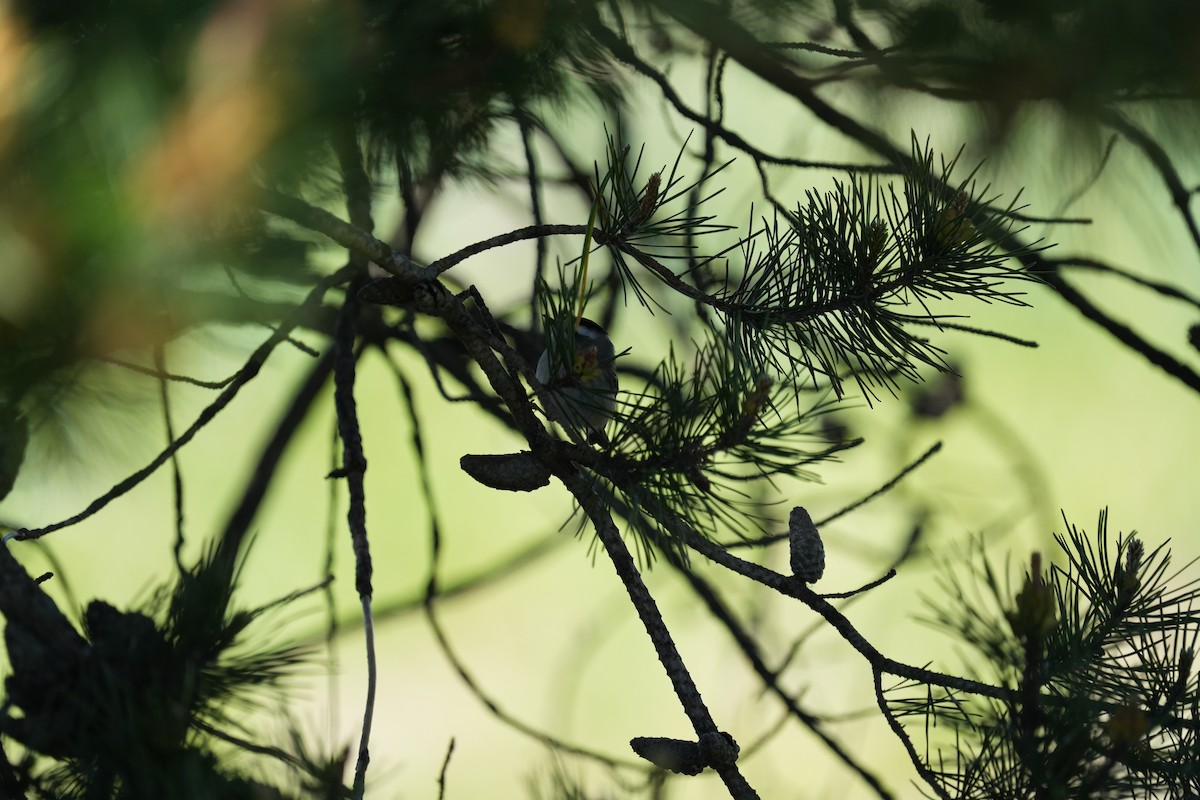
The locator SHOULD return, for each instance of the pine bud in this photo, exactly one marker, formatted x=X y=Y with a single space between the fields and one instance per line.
x=649 y=200
x=1127 y=725
x=758 y=396
x=954 y=227
x=807 y=550
x=1128 y=579
x=1035 y=614
x=876 y=237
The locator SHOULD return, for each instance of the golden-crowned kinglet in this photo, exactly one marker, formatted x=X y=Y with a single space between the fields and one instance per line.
x=582 y=381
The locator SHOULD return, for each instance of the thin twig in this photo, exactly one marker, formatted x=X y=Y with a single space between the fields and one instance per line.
x=442 y=772
x=621 y=49
x=176 y=475
x=1165 y=289
x=898 y=729
x=247 y=373
x=942 y=324
x=267 y=465
x=431 y=596
x=866 y=587
x=156 y=373
x=882 y=490
x=252 y=747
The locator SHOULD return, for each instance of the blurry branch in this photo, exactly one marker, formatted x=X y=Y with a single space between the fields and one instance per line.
x=1122 y=333
x=353 y=238
x=621 y=49
x=442 y=772
x=244 y=375
x=1158 y=157
x=267 y=465
x=1164 y=289
x=495 y=708
x=167 y=376
x=176 y=476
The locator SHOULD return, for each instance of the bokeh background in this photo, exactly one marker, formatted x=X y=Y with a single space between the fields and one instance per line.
x=1071 y=427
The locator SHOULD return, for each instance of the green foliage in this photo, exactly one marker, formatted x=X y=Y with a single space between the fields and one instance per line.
x=174 y=165
x=130 y=709
x=831 y=290
x=1103 y=694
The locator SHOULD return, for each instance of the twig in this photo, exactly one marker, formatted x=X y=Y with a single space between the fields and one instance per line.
x=354 y=465
x=357 y=187
x=954 y=326
x=267 y=466
x=442 y=773
x=1165 y=289
x=353 y=238
x=535 y=203
x=770 y=678
x=898 y=729
x=177 y=477
x=237 y=287
x=491 y=705
x=508 y=567
x=1124 y=334
x=643 y=602
x=364 y=754
x=866 y=587
x=1180 y=195
x=247 y=373
x=252 y=747
x=625 y=53
x=884 y=489
x=156 y=373
x=501 y=240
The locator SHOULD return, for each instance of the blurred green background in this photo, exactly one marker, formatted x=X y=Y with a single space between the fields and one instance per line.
x=112 y=178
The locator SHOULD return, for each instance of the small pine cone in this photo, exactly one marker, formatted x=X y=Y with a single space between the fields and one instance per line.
x=807 y=550
x=677 y=755
x=509 y=472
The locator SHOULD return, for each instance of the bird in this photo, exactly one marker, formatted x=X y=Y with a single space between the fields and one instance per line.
x=581 y=381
